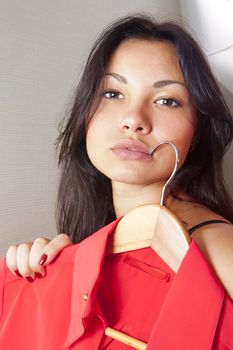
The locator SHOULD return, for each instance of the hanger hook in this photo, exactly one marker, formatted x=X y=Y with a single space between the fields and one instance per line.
x=174 y=170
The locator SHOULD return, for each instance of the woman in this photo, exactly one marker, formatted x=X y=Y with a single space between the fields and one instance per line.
x=143 y=83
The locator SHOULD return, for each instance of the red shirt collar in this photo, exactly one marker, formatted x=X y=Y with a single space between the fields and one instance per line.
x=192 y=305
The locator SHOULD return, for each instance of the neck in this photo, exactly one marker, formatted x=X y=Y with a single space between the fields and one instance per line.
x=128 y=197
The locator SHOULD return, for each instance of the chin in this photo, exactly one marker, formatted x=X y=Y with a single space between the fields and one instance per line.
x=134 y=175
x=130 y=178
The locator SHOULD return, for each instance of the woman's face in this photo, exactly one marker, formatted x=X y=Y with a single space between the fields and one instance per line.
x=143 y=101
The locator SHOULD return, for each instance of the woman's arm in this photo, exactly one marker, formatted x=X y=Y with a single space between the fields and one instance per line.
x=29 y=259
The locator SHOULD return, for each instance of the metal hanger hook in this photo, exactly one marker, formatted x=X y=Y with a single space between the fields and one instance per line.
x=174 y=170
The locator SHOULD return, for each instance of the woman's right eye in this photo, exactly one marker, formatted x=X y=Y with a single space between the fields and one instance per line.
x=112 y=94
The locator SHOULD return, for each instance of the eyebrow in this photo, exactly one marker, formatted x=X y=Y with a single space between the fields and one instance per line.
x=157 y=84
x=161 y=83
x=118 y=77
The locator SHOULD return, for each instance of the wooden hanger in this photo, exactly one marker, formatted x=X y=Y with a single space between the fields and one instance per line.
x=153 y=226
x=150 y=226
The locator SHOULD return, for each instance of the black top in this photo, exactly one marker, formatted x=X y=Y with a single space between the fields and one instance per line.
x=192 y=229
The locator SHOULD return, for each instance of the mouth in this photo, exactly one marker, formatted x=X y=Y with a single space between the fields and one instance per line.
x=131 y=150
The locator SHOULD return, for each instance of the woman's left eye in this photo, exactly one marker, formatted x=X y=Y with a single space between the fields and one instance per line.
x=170 y=102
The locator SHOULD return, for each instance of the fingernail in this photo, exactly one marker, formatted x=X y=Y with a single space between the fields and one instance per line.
x=30 y=279
x=18 y=273
x=43 y=259
x=38 y=274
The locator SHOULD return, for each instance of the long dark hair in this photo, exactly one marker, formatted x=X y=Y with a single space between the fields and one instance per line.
x=85 y=196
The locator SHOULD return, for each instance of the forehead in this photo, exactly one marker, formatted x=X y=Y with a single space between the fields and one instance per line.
x=146 y=56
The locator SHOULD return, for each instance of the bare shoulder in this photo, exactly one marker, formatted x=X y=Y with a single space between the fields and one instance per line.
x=215 y=240
x=216 y=244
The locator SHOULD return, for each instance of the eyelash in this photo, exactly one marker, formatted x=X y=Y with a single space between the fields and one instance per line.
x=116 y=95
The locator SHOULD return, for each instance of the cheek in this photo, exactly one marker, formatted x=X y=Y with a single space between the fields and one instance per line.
x=102 y=125
x=180 y=133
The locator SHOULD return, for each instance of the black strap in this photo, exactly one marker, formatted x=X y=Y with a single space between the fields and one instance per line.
x=191 y=230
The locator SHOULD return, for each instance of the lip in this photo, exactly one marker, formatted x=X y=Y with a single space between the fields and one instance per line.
x=131 y=149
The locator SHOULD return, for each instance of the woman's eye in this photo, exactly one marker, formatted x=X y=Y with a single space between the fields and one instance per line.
x=111 y=94
x=170 y=102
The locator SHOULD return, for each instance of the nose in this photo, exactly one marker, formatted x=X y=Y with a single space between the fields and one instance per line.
x=136 y=122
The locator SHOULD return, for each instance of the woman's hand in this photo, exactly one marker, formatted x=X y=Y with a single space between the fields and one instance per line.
x=29 y=259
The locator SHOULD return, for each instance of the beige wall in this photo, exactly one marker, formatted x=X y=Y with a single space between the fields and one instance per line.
x=43 y=44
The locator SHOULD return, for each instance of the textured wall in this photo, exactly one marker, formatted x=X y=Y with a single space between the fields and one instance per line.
x=42 y=49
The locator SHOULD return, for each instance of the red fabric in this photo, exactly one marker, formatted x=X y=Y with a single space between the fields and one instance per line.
x=135 y=292
x=132 y=289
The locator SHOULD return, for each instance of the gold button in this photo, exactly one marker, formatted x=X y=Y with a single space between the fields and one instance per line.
x=85 y=296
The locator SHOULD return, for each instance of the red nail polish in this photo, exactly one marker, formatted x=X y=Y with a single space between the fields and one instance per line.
x=38 y=274
x=43 y=259
x=30 y=279
x=18 y=273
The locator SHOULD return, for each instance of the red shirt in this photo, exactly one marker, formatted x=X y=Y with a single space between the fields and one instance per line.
x=134 y=292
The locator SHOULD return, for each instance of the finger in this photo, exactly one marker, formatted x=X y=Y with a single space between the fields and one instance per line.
x=22 y=259
x=11 y=260
x=36 y=251
x=54 y=247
